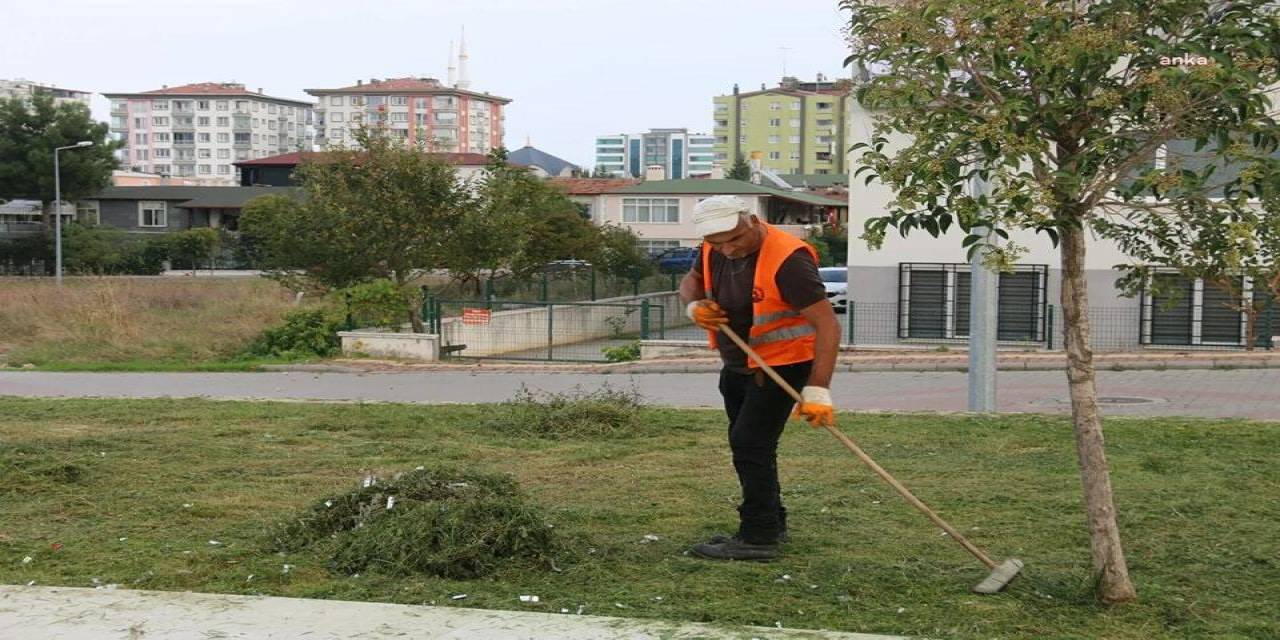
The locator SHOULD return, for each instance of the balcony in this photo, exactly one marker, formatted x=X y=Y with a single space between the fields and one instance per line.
x=240 y=123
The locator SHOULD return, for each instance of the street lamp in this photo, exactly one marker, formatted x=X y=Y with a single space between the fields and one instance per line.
x=57 y=203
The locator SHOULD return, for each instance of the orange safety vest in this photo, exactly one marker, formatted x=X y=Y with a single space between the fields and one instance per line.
x=779 y=333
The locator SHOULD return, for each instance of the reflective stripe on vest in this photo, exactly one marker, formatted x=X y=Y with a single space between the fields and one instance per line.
x=766 y=318
x=783 y=333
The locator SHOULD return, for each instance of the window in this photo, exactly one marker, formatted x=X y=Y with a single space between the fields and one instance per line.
x=775 y=155
x=824 y=106
x=335 y=101
x=242 y=106
x=224 y=154
x=823 y=139
x=1181 y=311
x=152 y=213
x=721 y=124
x=823 y=156
x=204 y=153
x=183 y=121
x=271 y=140
x=142 y=154
x=795 y=106
x=241 y=138
x=419 y=103
x=202 y=105
x=162 y=169
x=795 y=123
x=203 y=121
x=271 y=125
x=336 y=133
x=224 y=137
x=933 y=302
x=162 y=153
x=224 y=169
x=139 y=123
x=357 y=101
x=139 y=138
x=659 y=210
x=446 y=117
x=742 y=139
x=774 y=139
x=184 y=137
x=159 y=105
x=825 y=122
x=221 y=105
x=822 y=172
x=398 y=101
x=775 y=122
x=224 y=121
x=271 y=108
x=182 y=105
x=774 y=106
x=203 y=137
x=87 y=212
x=257 y=138
x=793 y=139
x=722 y=139
x=720 y=106
x=399 y=116
x=205 y=169
x=655 y=247
x=444 y=102
x=159 y=121
x=161 y=136
x=357 y=118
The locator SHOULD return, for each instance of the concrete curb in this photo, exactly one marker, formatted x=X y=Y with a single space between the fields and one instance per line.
x=68 y=613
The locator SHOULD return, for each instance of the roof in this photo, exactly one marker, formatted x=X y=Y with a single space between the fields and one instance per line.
x=591 y=186
x=405 y=85
x=724 y=186
x=215 y=197
x=819 y=180
x=295 y=158
x=533 y=157
x=226 y=89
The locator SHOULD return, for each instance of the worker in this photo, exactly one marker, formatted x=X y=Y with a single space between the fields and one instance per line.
x=763 y=282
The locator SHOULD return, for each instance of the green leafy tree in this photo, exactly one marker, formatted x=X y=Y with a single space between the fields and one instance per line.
x=30 y=131
x=195 y=246
x=620 y=254
x=1061 y=106
x=740 y=169
x=601 y=172
x=383 y=210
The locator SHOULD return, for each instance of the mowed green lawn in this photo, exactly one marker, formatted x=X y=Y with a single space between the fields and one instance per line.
x=136 y=493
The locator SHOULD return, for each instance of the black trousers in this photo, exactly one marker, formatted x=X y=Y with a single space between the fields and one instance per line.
x=758 y=410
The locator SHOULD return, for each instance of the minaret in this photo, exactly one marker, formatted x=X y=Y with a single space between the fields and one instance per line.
x=464 y=82
x=453 y=69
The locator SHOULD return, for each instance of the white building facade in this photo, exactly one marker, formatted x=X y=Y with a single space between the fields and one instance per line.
x=25 y=89
x=198 y=131
x=680 y=154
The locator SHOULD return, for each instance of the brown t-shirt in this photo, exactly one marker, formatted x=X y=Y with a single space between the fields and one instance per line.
x=732 y=282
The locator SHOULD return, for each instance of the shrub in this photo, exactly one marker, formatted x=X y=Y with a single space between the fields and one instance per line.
x=622 y=353
x=604 y=412
x=303 y=333
x=435 y=521
x=378 y=303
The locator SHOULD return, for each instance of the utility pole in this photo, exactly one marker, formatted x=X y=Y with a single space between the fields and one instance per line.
x=983 y=283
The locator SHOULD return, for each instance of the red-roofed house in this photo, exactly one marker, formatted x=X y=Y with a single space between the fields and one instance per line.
x=589 y=193
x=198 y=131
x=415 y=110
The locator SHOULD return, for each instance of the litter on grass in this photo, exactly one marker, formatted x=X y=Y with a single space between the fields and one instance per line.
x=528 y=598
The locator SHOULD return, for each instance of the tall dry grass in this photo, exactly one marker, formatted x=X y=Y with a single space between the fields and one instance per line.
x=121 y=319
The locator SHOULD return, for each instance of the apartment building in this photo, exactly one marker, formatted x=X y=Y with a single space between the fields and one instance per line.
x=800 y=127
x=416 y=110
x=198 y=131
x=26 y=88
x=680 y=154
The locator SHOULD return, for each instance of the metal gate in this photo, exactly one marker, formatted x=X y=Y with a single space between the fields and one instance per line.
x=558 y=331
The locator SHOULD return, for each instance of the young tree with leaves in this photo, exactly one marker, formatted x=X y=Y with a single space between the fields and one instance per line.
x=30 y=131
x=383 y=210
x=1058 y=104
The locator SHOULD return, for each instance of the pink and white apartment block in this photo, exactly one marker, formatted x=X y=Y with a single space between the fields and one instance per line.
x=197 y=132
x=418 y=111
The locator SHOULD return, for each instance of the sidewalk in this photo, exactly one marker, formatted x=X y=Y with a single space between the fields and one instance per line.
x=848 y=361
x=65 y=613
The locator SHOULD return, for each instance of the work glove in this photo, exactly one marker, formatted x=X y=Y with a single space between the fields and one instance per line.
x=706 y=314
x=815 y=406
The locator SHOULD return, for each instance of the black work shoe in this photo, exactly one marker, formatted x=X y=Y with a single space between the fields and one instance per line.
x=735 y=549
x=721 y=538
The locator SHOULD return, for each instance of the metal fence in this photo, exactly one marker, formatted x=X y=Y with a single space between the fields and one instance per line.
x=576 y=284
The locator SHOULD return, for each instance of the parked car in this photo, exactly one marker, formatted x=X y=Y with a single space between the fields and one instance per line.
x=678 y=260
x=836 y=280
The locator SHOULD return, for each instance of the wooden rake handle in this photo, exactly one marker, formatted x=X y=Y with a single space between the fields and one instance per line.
x=862 y=455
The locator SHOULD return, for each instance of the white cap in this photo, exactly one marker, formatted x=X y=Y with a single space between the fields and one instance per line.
x=718 y=214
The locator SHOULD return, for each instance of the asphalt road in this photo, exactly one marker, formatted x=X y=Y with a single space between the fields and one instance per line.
x=1246 y=393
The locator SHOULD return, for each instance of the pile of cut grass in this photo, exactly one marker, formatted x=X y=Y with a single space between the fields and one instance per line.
x=439 y=522
x=601 y=413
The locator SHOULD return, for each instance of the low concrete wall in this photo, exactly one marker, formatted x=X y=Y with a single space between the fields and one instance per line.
x=517 y=330
x=409 y=346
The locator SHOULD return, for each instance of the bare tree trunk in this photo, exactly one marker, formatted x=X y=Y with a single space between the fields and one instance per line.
x=1109 y=566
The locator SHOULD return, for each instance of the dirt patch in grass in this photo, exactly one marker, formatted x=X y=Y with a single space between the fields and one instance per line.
x=438 y=522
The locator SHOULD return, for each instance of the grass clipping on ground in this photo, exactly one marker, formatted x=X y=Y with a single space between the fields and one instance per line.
x=601 y=413
x=440 y=522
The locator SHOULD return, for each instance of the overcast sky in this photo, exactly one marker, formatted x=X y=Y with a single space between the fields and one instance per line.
x=573 y=68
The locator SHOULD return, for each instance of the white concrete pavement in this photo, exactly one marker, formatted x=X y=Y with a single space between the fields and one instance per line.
x=66 y=613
